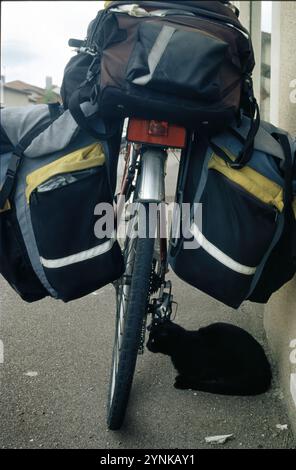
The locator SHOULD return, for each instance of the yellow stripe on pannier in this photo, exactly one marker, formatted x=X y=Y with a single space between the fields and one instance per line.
x=251 y=181
x=82 y=159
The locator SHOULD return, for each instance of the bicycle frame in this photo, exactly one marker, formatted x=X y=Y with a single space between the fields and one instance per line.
x=147 y=152
x=143 y=289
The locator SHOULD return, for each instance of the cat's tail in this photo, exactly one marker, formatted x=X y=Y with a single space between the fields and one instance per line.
x=242 y=386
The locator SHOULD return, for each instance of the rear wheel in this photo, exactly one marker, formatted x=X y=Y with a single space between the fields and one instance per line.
x=132 y=295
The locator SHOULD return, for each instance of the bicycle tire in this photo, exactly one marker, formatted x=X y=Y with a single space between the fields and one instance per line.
x=137 y=304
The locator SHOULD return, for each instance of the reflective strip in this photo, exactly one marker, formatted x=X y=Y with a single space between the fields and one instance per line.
x=156 y=54
x=219 y=255
x=79 y=257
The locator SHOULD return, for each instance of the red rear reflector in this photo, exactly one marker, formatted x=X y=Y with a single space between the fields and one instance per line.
x=156 y=133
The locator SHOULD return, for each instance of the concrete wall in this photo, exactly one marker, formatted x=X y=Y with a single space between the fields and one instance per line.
x=280 y=313
x=283 y=65
x=280 y=326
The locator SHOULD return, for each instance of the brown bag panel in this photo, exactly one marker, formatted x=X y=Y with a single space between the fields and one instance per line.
x=116 y=58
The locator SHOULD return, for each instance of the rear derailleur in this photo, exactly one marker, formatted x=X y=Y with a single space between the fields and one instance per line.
x=161 y=310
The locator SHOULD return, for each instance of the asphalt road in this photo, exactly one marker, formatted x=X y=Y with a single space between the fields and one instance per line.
x=54 y=381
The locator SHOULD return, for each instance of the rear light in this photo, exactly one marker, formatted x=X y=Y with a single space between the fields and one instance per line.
x=159 y=133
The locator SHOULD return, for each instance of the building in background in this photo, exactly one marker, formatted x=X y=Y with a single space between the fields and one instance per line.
x=19 y=93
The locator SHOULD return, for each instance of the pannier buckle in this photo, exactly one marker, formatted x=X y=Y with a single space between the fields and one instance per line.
x=13 y=166
x=236 y=165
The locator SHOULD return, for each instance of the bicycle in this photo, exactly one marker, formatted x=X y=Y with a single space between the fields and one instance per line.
x=143 y=289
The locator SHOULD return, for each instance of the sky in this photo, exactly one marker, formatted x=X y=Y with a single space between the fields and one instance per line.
x=34 y=36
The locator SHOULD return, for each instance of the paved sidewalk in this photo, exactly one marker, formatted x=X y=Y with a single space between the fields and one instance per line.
x=63 y=406
x=54 y=380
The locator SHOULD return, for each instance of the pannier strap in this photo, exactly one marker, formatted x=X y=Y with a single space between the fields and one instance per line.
x=249 y=143
x=82 y=121
x=7 y=187
x=247 y=152
x=15 y=162
x=55 y=111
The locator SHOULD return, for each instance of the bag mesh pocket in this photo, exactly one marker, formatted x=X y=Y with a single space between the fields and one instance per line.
x=75 y=261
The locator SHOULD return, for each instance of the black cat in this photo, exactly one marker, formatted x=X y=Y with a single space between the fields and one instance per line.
x=220 y=358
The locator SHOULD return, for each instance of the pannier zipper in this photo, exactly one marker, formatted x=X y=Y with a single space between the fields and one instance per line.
x=208 y=17
x=95 y=169
x=201 y=18
x=264 y=205
x=225 y=25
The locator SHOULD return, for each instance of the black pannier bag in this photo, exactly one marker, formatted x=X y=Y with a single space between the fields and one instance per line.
x=245 y=218
x=191 y=64
x=47 y=221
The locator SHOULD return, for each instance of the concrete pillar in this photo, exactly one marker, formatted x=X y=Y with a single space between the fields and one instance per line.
x=283 y=65
x=256 y=34
x=250 y=17
x=280 y=313
x=245 y=13
x=280 y=326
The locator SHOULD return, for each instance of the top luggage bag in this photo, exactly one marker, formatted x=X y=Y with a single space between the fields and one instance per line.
x=188 y=63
